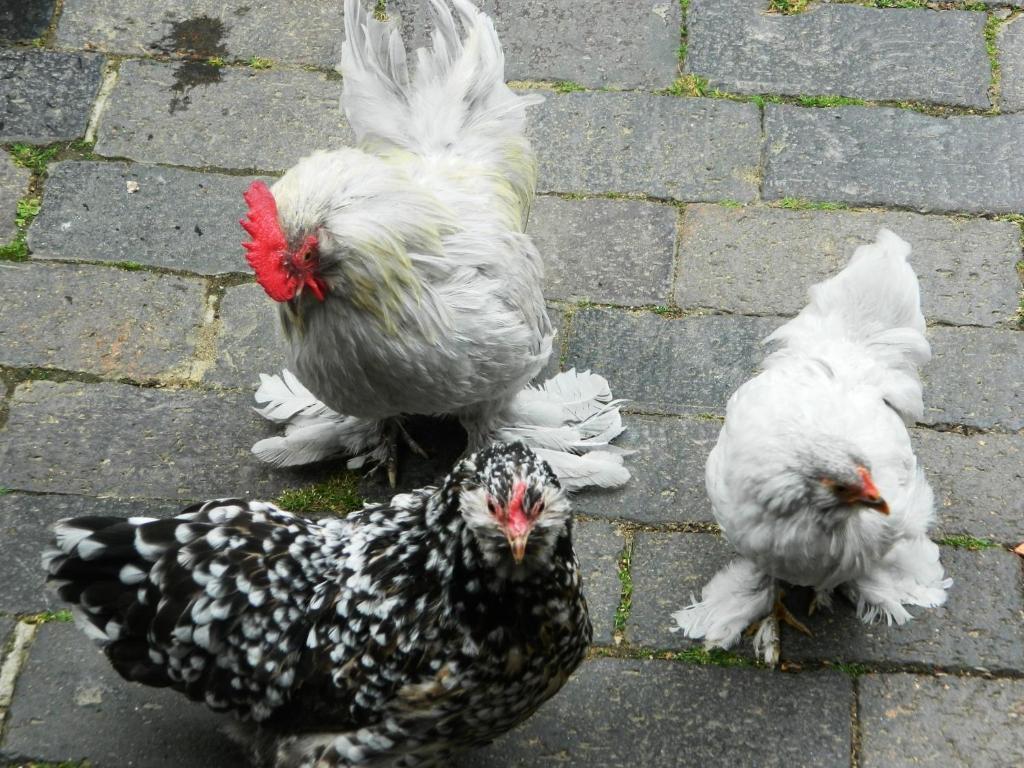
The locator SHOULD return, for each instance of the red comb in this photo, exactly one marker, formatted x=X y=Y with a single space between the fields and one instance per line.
x=268 y=248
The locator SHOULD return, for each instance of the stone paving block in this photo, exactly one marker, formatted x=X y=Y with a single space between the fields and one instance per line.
x=840 y=49
x=25 y=20
x=669 y=571
x=689 y=365
x=977 y=481
x=249 y=341
x=667 y=465
x=175 y=219
x=111 y=322
x=160 y=113
x=607 y=251
x=13 y=185
x=301 y=31
x=895 y=157
x=1011 y=60
x=71 y=705
x=25 y=522
x=119 y=440
x=756 y=260
x=662 y=714
x=979 y=626
x=597 y=43
x=47 y=95
x=975 y=377
x=598 y=547
x=662 y=146
x=959 y=722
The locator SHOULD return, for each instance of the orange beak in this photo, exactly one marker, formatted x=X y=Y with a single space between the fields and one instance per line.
x=869 y=495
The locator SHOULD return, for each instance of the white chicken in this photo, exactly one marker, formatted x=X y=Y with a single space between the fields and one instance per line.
x=813 y=479
x=405 y=281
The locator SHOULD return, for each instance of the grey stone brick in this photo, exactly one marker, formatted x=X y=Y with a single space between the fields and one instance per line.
x=598 y=547
x=840 y=49
x=71 y=705
x=607 y=251
x=669 y=570
x=47 y=95
x=762 y=260
x=895 y=157
x=301 y=31
x=977 y=481
x=119 y=440
x=175 y=219
x=685 y=366
x=597 y=43
x=111 y=322
x=1011 y=59
x=975 y=377
x=156 y=114
x=667 y=464
x=979 y=626
x=249 y=340
x=25 y=19
x=662 y=146
x=663 y=714
x=960 y=722
x=13 y=185
x=25 y=522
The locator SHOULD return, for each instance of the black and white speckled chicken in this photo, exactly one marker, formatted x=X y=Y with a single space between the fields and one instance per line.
x=395 y=637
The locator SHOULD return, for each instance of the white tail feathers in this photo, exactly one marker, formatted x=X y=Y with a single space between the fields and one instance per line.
x=457 y=99
x=569 y=421
x=910 y=574
x=874 y=303
x=313 y=432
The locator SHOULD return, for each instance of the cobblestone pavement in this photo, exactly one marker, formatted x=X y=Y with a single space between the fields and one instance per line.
x=701 y=164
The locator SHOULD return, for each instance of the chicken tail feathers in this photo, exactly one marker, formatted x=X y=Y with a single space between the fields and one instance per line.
x=874 y=303
x=313 y=432
x=570 y=421
x=457 y=101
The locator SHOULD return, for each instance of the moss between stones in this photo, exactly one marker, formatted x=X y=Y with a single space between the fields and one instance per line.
x=337 y=496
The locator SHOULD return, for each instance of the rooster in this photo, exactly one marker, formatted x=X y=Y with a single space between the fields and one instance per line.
x=404 y=277
x=813 y=479
x=395 y=637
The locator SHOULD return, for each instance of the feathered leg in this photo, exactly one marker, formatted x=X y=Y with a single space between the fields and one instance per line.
x=738 y=596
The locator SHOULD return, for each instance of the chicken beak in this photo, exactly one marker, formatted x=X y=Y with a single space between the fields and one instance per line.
x=518 y=546
x=877 y=503
x=869 y=495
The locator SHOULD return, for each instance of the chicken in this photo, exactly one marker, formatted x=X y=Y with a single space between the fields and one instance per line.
x=405 y=280
x=813 y=479
x=399 y=635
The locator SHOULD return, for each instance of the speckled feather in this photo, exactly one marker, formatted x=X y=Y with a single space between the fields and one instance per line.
x=395 y=636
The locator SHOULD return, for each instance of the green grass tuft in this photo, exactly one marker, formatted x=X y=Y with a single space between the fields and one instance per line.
x=216 y=61
x=48 y=616
x=829 y=101
x=787 y=6
x=626 y=596
x=567 y=86
x=258 y=62
x=380 y=10
x=33 y=158
x=689 y=85
x=961 y=541
x=717 y=657
x=5 y=491
x=17 y=250
x=992 y=47
x=901 y=3
x=852 y=669
x=337 y=496
x=730 y=203
x=129 y=266
x=799 y=204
